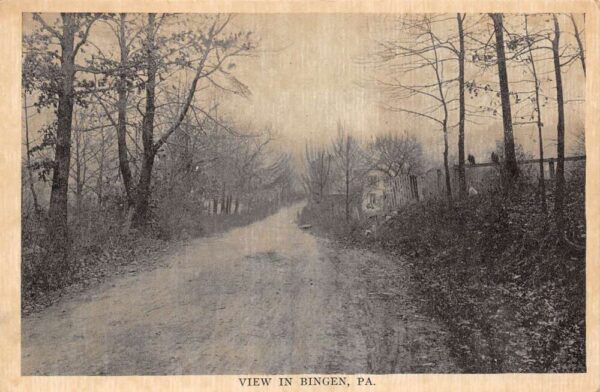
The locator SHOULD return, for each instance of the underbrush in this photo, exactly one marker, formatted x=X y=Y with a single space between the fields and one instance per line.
x=100 y=247
x=496 y=271
x=325 y=224
x=186 y=220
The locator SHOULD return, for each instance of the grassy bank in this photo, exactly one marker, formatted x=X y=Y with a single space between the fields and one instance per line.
x=493 y=269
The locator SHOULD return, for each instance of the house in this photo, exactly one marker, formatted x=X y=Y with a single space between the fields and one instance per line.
x=383 y=194
x=374 y=194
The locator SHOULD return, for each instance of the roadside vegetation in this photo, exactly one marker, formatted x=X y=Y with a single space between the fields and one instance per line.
x=125 y=151
x=497 y=247
x=494 y=270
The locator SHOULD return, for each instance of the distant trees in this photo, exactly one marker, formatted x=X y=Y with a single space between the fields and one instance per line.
x=317 y=176
x=343 y=171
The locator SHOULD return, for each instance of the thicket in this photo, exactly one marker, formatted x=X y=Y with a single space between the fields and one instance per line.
x=506 y=279
x=100 y=246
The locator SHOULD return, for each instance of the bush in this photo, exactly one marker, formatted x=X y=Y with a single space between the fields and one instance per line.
x=331 y=225
x=498 y=273
x=100 y=247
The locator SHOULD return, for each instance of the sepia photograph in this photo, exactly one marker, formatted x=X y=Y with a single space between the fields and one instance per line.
x=316 y=194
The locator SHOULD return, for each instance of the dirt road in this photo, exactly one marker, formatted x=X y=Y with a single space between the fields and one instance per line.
x=266 y=298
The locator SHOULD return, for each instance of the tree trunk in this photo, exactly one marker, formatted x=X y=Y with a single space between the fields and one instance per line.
x=142 y=194
x=122 y=114
x=539 y=123
x=446 y=165
x=560 y=127
x=78 y=173
x=237 y=206
x=510 y=159
x=58 y=209
x=222 y=203
x=36 y=204
x=347 y=209
x=444 y=122
x=579 y=43
x=100 y=182
x=394 y=192
x=462 y=182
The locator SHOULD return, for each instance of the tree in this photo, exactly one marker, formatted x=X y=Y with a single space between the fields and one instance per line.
x=317 y=177
x=524 y=49
x=462 y=182
x=28 y=163
x=214 y=49
x=420 y=53
x=57 y=87
x=510 y=163
x=123 y=75
x=538 y=111
x=560 y=125
x=122 y=109
x=577 y=35
x=347 y=157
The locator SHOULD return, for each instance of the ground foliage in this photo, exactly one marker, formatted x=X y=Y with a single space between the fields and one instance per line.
x=100 y=248
x=495 y=271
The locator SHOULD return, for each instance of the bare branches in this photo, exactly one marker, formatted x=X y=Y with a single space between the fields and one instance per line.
x=84 y=35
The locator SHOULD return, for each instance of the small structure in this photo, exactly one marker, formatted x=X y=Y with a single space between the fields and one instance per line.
x=374 y=194
x=383 y=194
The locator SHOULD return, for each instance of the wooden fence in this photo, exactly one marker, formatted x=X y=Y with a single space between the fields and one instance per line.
x=432 y=184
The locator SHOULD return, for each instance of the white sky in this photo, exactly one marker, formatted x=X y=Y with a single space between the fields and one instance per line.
x=314 y=79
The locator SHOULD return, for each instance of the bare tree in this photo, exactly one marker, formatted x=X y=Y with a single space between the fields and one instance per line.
x=510 y=163
x=420 y=52
x=318 y=172
x=538 y=111
x=560 y=125
x=577 y=35
x=462 y=181
x=347 y=155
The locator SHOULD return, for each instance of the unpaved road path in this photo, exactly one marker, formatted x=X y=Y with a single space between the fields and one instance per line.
x=265 y=298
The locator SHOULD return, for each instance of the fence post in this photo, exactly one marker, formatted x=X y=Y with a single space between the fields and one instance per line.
x=414 y=187
x=551 y=168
